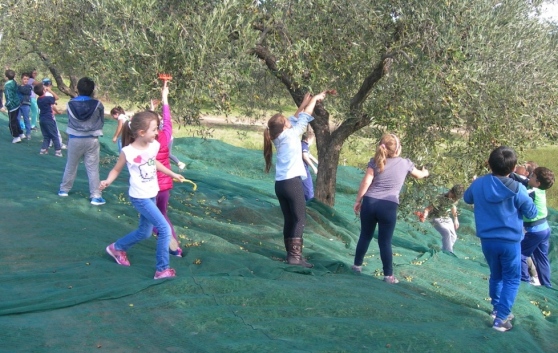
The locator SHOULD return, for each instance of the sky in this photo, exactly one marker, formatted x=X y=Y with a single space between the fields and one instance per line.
x=550 y=11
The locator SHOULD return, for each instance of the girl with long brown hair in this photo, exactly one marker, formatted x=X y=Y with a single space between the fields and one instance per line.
x=289 y=171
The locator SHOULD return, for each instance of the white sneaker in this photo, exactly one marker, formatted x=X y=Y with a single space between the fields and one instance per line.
x=534 y=281
x=181 y=165
x=64 y=147
x=16 y=139
x=22 y=136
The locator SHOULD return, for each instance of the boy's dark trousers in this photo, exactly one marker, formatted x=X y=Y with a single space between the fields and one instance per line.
x=50 y=133
x=15 y=128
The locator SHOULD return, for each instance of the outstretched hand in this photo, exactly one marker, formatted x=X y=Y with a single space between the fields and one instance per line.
x=103 y=184
x=179 y=178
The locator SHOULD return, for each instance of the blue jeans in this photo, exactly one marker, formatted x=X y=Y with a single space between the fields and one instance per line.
x=24 y=111
x=383 y=214
x=149 y=216
x=504 y=260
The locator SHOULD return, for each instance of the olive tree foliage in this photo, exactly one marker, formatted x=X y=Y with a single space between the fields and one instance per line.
x=124 y=44
x=453 y=79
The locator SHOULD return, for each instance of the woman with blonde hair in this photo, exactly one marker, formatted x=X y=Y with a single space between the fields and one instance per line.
x=289 y=172
x=377 y=200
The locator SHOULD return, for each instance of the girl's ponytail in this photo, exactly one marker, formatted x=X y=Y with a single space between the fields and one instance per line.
x=127 y=135
x=268 y=150
x=388 y=147
x=275 y=126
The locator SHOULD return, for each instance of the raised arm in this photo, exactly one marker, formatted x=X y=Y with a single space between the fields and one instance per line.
x=167 y=121
x=309 y=108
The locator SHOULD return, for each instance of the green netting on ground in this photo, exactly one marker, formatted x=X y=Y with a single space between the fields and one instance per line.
x=60 y=292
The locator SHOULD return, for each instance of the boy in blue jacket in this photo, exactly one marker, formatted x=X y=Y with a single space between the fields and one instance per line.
x=500 y=205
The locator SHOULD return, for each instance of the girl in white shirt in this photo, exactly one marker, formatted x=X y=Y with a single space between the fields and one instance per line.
x=289 y=172
x=139 y=154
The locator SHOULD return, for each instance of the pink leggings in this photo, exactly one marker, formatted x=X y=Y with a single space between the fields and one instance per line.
x=162 y=201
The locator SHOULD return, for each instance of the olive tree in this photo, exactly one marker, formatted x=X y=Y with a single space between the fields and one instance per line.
x=454 y=79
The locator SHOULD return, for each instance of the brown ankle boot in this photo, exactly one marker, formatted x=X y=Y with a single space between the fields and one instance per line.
x=294 y=252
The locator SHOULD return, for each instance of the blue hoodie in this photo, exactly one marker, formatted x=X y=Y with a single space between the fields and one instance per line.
x=86 y=117
x=500 y=204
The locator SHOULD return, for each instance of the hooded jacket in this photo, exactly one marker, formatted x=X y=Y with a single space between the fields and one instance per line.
x=86 y=117
x=500 y=205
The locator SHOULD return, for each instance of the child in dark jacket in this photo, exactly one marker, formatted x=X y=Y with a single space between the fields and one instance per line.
x=12 y=104
x=500 y=203
x=25 y=90
x=46 y=119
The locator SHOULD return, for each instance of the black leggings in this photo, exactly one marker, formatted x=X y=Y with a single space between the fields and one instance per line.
x=384 y=214
x=291 y=198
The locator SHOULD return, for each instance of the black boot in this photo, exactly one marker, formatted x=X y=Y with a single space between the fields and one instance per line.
x=294 y=252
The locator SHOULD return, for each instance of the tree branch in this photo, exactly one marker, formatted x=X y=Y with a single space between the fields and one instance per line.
x=56 y=75
x=382 y=68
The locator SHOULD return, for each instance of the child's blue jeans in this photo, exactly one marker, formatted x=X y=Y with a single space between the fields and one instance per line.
x=24 y=111
x=504 y=260
x=149 y=216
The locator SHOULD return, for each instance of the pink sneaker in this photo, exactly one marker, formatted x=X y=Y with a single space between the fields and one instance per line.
x=391 y=279
x=119 y=256
x=168 y=273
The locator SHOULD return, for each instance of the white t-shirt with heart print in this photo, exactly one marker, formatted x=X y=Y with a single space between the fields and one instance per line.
x=143 y=171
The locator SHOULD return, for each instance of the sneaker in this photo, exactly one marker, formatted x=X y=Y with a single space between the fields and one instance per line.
x=119 y=256
x=175 y=252
x=168 y=273
x=356 y=269
x=16 y=139
x=62 y=193
x=502 y=325
x=181 y=165
x=391 y=279
x=98 y=201
x=534 y=281
x=58 y=154
x=22 y=136
x=43 y=151
x=64 y=147
x=494 y=313
x=29 y=137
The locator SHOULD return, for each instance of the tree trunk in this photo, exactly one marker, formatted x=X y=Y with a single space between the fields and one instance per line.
x=57 y=76
x=328 y=155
